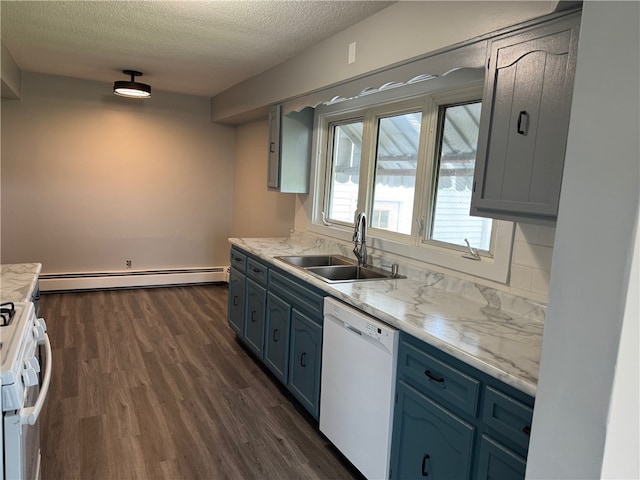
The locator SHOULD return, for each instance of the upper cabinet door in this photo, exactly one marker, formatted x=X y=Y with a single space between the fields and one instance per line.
x=524 y=123
x=289 y=150
x=273 y=173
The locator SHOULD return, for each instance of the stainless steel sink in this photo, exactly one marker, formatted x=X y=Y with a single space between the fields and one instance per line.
x=305 y=261
x=336 y=268
x=348 y=273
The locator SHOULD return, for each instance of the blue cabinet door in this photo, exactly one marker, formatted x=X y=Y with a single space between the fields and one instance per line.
x=428 y=439
x=499 y=463
x=304 y=361
x=236 y=301
x=254 y=316
x=276 y=340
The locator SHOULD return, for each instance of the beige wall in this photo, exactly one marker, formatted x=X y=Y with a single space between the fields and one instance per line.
x=90 y=180
x=257 y=212
x=11 y=74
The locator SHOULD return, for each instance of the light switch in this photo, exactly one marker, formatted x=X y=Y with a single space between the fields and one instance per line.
x=352 y=52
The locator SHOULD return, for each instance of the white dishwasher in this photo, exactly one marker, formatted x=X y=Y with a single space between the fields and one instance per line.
x=359 y=357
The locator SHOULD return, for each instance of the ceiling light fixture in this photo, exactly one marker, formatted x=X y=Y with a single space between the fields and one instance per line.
x=132 y=89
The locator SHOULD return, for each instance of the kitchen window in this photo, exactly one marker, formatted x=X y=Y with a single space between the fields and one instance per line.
x=409 y=165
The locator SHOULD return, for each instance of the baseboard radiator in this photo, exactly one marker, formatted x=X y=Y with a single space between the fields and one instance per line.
x=54 y=282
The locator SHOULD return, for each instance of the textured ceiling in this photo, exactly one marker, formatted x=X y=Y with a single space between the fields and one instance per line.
x=199 y=48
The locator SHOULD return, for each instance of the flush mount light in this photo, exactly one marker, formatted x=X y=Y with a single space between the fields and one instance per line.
x=132 y=89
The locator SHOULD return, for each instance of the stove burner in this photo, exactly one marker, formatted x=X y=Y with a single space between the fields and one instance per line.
x=7 y=310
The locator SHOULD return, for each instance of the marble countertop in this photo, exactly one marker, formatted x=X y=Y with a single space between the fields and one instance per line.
x=469 y=326
x=19 y=281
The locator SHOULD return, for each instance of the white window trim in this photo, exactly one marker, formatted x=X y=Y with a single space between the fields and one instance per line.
x=495 y=268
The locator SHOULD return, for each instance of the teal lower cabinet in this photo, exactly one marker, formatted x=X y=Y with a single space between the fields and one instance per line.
x=432 y=441
x=452 y=421
x=304 y=361
x=276 y=342
x=254 y=316
x=279 y=318
x=498 y=462
x=236 y=301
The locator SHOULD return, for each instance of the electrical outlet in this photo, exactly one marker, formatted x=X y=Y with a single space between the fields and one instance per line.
x=128 y=263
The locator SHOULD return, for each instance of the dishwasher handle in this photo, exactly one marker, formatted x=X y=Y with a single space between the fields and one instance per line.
x=353 y=329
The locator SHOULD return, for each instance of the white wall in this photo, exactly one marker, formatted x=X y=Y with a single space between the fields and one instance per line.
x=400 y=32
x=592 y=256
x=621 y=459
x=257 y=212
x=90 y=179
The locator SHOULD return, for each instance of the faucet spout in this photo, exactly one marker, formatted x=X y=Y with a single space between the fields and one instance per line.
x=360 y=238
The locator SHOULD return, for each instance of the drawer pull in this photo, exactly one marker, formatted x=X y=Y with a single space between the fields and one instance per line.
x=424 y=465
x=523 y=122
x=257 y=270
x=433 y=377
x=527 y=430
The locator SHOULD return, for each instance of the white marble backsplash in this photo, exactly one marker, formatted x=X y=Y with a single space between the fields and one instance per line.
x=496 y=299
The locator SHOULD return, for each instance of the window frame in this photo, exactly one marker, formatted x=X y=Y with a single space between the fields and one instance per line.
x=417 y=246
x=444 y=100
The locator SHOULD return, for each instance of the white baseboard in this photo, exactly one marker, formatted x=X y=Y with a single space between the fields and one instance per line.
x=131 y=278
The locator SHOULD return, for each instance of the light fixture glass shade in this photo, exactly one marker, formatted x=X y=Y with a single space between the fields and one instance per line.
x=131 y=88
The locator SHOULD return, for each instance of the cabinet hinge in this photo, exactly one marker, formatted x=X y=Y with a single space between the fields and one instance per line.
x=488 y=63
x=474 y=185
x=396 y=398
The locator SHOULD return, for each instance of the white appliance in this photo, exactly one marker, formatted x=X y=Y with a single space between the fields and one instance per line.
x=23 y=389
x=359 y=357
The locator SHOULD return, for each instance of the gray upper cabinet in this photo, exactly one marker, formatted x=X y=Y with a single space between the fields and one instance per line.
x=289 y=150
x=524 y=123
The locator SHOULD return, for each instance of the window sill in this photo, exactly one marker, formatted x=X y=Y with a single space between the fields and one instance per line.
x=495 y=269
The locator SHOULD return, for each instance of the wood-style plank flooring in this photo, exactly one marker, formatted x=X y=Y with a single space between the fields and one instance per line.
x=152 y=384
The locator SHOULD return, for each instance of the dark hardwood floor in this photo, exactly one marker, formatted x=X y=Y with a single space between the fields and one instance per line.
x=152 y=384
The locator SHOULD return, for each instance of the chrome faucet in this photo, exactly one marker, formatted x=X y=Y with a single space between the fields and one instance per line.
x=360 y=239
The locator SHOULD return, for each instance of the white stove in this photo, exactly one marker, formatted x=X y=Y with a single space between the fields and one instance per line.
x=23 y=389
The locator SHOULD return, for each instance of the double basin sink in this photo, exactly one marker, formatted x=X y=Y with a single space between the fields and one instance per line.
x=336 y=268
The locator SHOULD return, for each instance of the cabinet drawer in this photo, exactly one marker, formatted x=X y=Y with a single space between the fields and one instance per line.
x=507 y=417
x=238 y=260
x=257 y=271
x=437 y=379
x=306 y=300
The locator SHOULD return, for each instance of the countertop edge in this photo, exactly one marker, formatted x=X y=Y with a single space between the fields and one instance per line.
x=522 y=384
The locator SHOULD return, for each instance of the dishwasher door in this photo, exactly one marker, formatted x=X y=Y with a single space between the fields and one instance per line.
x=359 y=357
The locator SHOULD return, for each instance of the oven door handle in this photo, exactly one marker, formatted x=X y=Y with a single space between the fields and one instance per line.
x=30 y=415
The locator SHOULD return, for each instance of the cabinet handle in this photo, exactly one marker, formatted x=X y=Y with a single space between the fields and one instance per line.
x=257 y=270
x=433 y=377
x=253 y=316
x=235 y=300
x=303 y=359
x=275 y=335
x=424 y=465
x=523 y=123
x=272 y=147
x=527 y=430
